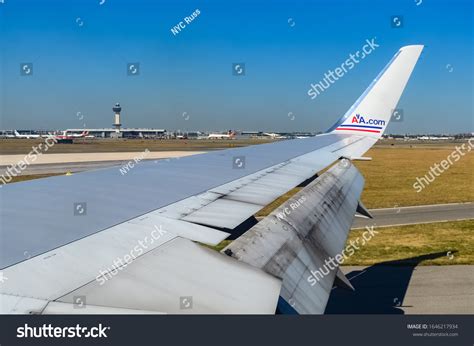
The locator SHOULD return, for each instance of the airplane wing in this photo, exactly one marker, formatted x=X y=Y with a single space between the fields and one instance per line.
x=108 y=241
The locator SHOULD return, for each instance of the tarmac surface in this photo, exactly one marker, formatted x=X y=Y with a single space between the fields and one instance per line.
x=78 y=162
x=69 y=167
x=402 y=287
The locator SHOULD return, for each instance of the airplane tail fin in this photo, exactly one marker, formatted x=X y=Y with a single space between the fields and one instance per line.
x=372 y=111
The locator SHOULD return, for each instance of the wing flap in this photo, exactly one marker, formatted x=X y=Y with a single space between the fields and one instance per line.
x=300 y=236
x=223 y=213
x=184 y=277
x=60 y=308
x=229 y=205
x=138 y=267
x=153 y=221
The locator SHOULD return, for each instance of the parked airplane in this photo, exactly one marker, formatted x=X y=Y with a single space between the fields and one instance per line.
x=434 y=138
x=66 y=135
x=130 y=243
x=229 y=135
x=27 y=136
x=9 y=135
x=274 y=135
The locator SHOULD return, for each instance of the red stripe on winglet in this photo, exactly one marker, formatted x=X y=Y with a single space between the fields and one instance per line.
x=352 y=129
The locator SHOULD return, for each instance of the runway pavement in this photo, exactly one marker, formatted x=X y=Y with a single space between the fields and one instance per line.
x=416 y=215
x=72 y=167
x=78 y=162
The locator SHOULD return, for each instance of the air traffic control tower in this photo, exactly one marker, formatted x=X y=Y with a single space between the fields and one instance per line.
x=117 y=109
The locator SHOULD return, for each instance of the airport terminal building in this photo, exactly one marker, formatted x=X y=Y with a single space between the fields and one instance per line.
x=122 y=133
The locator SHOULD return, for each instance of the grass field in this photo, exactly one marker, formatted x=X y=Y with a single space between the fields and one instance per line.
x=455 y=239
x=19 y=178
x=390 y=176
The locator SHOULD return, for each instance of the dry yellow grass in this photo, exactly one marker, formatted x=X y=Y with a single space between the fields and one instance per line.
x=390 y=176
x=454 y=239
x=19 y=178
x=276 y=203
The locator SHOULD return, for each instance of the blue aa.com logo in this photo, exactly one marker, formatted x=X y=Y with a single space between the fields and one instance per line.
x=359 y=119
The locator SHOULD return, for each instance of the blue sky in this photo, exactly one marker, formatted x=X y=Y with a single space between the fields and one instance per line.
x=80 y=49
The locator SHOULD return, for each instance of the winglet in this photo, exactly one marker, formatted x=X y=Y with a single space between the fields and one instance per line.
x=372 y=111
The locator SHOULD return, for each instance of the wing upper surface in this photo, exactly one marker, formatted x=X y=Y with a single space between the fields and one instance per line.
x=39 y=215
